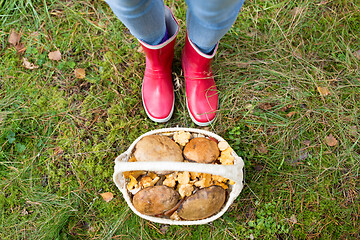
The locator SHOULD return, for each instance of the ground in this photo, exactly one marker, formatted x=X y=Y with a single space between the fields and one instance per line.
x=289 y=82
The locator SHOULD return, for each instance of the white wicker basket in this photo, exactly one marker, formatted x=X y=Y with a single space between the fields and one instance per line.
x=233 y=172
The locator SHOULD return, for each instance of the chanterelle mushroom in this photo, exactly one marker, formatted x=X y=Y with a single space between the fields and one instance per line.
x=201 y=150
x=157 y=148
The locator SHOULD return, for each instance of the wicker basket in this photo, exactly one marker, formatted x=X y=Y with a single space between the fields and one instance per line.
x=233 y=172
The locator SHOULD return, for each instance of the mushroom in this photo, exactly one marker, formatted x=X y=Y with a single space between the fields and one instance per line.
x=170 y=180
x=226 y=157
x=158 y=148
x=201 y=150
x=203 y=203
x=223 y=145
x=182 y=137
x=205 y=181
x=147 y=181
x=185 y=190
x=155 y=200
x=183 y=177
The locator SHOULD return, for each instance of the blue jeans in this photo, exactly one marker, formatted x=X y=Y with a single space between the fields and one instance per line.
x=207 y=20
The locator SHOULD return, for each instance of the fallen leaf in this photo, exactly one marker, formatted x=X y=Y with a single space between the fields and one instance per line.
x=262 y=148
x=29 y=65
x=307 y=142
x=324 y=91
x=290 y=114
x=265 y=106
x=296 y=11
x=293 y=219
x=353 y=130
x=285 y=108
x=56 y=55
x=258 y=167
x=107 y=196
x=20 y=47
x=58 y=151
x=14 y=38
x=243 y=64
x=331 y=140
x=140 y=50
x=357 y=54
x=80 y=73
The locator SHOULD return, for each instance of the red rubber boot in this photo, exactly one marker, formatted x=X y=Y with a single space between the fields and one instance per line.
x=157 y=87
x=200 y=88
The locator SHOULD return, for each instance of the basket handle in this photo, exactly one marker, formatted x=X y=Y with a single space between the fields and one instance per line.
x=233 y=172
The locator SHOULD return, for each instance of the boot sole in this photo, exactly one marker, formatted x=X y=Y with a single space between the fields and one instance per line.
x=201 y=124
x=159 y=120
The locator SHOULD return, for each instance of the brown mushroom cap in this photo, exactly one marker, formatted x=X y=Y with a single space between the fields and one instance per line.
x=157 y=148
x=202 y=204
x=201 y=150
x=155 y=200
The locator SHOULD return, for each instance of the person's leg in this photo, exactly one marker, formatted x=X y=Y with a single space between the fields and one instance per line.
x=156 y=29
x=208 y=21
x=144 y=18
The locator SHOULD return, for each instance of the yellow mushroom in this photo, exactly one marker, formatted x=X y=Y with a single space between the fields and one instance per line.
x=170 y=180
x=226 y=158
x=221 y=184
x=148 y=181
x=185 y=190
x=205 y=181
x=194 y=175
x=183 y=177
x=182 y=137
x=132 y=184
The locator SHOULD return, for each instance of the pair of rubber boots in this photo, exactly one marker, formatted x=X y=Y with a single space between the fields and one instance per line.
x=157 y=88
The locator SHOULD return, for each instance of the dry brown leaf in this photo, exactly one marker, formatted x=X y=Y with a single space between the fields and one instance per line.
x=324 y=91
x=307 y=142
x=243 y=64
x=107 y=196
x=58 y=151
x=296 y=11
x=56 y=55
x=14 y=38
x=290 y=114
x=331 y=140
x=285 y=108
x=262 y=148
x=357 y=54
x=20 y=47
x=29 y=65
x=265 y=106
x=293 y=219
x=80 y=73
x=140 y=50
x=353 y=130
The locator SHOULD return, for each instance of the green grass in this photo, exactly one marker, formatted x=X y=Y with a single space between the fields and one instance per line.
x=59 y=135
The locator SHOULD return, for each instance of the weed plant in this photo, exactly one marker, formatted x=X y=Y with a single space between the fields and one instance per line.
x=289 y=83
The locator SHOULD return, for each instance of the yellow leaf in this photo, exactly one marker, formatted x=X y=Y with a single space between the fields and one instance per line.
x=331 y=140
x=80 y=73
x=324 y=91
x=107 y=196
x=56 y=55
